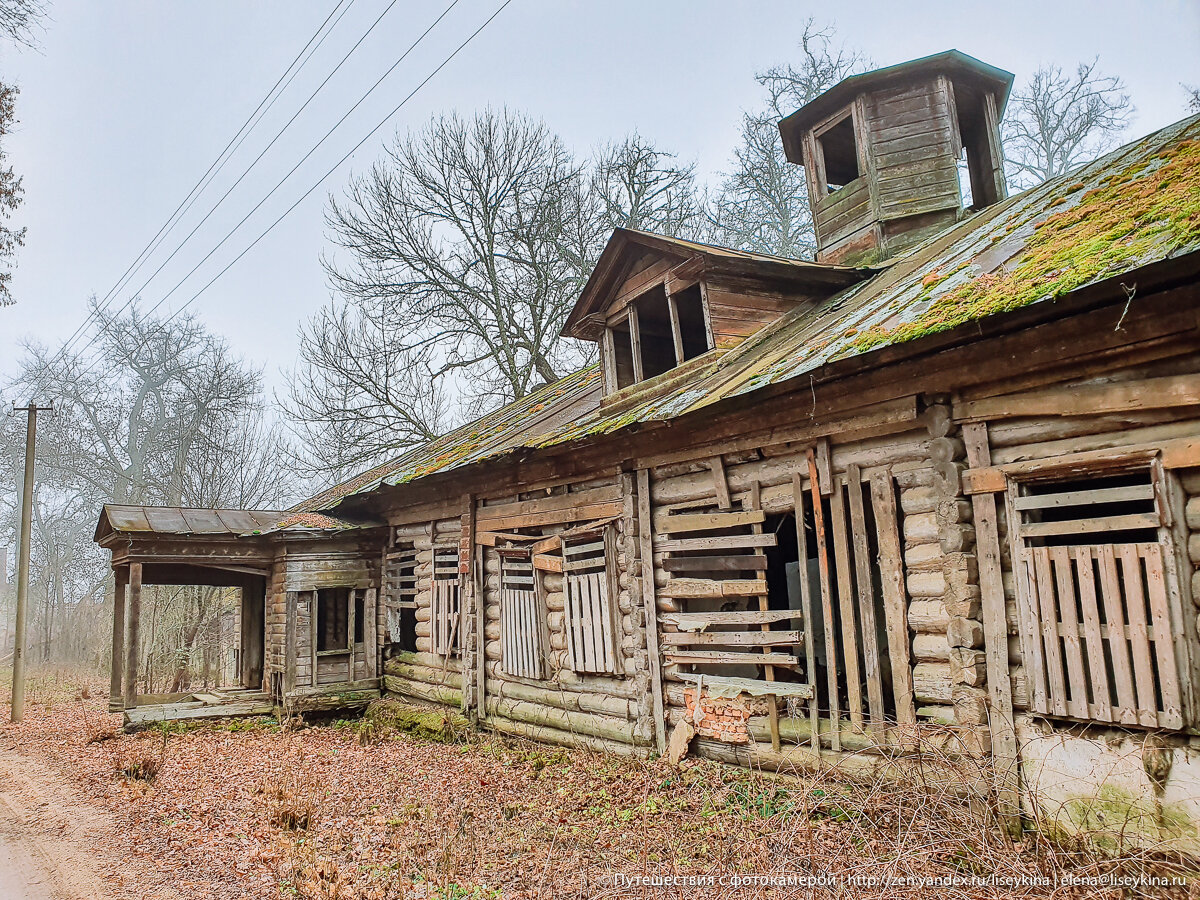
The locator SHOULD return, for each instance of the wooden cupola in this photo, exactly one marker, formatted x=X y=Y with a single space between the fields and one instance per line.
x=889 y=154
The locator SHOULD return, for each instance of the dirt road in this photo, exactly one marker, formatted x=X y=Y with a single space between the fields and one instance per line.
x=50 y=840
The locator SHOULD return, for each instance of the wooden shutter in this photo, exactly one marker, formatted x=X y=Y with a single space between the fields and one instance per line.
x=400 y=584
x=520 y=622
x=590 y=619
x=444 y=617
x=1093 y=606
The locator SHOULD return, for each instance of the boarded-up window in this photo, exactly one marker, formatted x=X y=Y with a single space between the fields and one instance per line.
x=401 y=603
x=520 y=622
x=590 y=619
x=444 y=612
x=1093 y=602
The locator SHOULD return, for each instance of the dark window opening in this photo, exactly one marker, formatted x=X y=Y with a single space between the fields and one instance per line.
x=981 y=166
x=1111 y=509
x=840 y=153
x=333 y=619
x=654 y=330
x=360 y=615
x=622 y=355
x=689 y=307
x=401 y=607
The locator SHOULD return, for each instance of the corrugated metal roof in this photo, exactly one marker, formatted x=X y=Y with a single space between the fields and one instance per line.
x=177 y=520
x=1135 y=206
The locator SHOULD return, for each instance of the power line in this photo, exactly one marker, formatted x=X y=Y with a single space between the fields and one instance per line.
x=320 y=180
x=214 y=168
x=264 y=152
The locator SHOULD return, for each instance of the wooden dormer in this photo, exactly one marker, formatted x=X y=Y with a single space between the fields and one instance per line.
x=888 y=153
x=654 y=303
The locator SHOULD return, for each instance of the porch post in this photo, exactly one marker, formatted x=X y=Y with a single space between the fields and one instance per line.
x=120 y=579
x=133 y=616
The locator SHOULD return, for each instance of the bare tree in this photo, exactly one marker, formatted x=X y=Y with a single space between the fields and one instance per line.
x=1057 y=121
x=1193 y=98
x=361 y=392
x=11 y=195
x=478 y=233
x=20 y=20
x=762 y=203
x=163 y=412
x=639 y=186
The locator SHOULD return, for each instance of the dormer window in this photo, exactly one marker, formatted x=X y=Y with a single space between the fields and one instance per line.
x=655 y=333
x=839 y=153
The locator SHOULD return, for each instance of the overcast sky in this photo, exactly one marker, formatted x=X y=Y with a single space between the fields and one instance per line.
x=129 y=101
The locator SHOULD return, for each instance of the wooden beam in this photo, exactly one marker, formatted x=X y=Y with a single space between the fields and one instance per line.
x=120 y=580
x=806 y=602
x=731 y=657
x=824 y=467
x=696 y=588
x=755 y=505
x=291 y=622
x=895 y=600
x=635 y=340
x=676 y=332
x=714 y=564
x=866 y=599
x=711 y=521
x=1171 y=391
x=718 y=542
x=720 y=483
x=735 y=638
x=835 y=734
x=650 y=607
x=697 y=620
x=547 y=562
x=1005 y=753
x=132 y=641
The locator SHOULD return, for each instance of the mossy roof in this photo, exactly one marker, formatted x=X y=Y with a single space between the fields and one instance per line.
x=1137 y=205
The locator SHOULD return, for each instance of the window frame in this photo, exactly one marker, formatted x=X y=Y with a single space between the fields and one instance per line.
x=624 y=329
x=345 y=594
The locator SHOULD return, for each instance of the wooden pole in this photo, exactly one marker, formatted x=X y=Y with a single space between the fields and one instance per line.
x=18 y=685
x=133 y=614
x=120 y=579
x=650 y=606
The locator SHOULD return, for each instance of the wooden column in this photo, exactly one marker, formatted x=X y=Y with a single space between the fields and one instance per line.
x=120 y=579
x=132 y=641
x=1005 y=753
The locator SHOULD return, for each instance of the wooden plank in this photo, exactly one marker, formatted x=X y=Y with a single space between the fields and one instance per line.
x=731 y=657
x=695 y=620
x=676 y=332
x=1084 y=498
x=547 y=545
x=650 y=607
x=1090 y=526
x=734 y=638
x=1064 y=580
x=1118 y=642
x=556 y=502
x=711 y=521
x=895 y=603
x=984 y=480
x=608 y=361
x=1027 y=614
x=1049 y=623
x=1171 y=715
x=755 y=504
x=1090 y=611
x=714 y=564
x=692 y=588
x=806 y=603
x=995 y=627
x=721 y=542
x=824 y=467
x=1170 y=391
x=835 y=735
x=133 y=620
x=756 y=687
x=1139 y=635
x=841 y=549
x=551 y=517
x=866 y=598
x=720 y=483
x=548 y=562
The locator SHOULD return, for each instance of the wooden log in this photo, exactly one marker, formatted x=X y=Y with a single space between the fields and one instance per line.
x=932 y=682
x=607 y=727
x=548 y=735
x=441 y=694
x=571 y=701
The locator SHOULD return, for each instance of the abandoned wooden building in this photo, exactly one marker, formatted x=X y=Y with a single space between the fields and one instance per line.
x=940 y=487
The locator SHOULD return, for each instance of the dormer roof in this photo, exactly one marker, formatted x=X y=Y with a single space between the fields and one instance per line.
x=627 y=246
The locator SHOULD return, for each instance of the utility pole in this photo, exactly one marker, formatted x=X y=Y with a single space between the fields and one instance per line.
x=18 y=682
